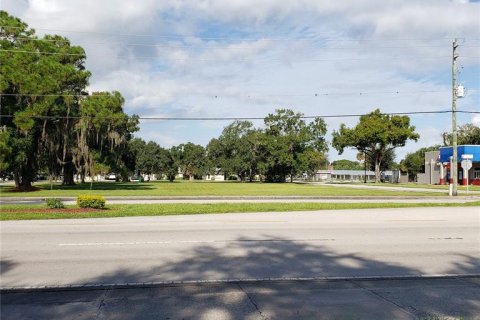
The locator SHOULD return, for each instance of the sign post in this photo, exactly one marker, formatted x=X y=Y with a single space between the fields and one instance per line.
x=466 y=165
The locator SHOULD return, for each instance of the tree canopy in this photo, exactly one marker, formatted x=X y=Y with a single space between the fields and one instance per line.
x=285 y=147
x=50 y=122
x=376 y=134
x=150 y=158
x=291 y=145
x=466 y=134
x=231 y=151
x=344 y=164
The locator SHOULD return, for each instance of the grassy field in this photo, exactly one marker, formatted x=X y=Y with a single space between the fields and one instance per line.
x=202 y=189
x=32 y=212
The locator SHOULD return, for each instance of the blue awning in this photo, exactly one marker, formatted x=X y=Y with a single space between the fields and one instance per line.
x=447 y=152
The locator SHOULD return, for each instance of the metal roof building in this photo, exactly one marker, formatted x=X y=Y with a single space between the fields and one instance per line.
x=351 y=175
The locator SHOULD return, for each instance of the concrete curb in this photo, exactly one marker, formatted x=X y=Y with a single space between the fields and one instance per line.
x=133 y=285
x=113 y=198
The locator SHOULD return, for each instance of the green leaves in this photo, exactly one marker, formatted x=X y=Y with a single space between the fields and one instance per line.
x=53 y=121
x=466 y=134
x=376 y=134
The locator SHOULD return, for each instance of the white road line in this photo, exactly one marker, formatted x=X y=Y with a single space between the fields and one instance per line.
x=185 y=241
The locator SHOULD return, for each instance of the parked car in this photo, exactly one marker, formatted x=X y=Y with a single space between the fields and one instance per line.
x=136 y=178
x=6 y=176
x=41 y=176
x=111 y=176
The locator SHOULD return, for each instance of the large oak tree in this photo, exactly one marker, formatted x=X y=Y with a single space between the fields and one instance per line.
x=376 y=134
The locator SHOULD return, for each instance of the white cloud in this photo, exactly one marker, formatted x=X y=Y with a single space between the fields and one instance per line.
x=476 y=120
x=221 y=65
x=164 y=140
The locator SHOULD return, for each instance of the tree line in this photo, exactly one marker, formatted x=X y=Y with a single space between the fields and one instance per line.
x=287 y=146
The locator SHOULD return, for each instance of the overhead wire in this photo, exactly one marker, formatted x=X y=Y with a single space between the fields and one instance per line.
x=254 y=95
x=317 y=37
x=230 y=60
x=249 y=118
x=226 y=46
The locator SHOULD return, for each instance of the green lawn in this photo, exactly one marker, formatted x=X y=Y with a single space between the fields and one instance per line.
x=25 y=212
x=202 y=189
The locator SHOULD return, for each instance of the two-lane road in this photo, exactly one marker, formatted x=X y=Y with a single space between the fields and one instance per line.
x=382 y=242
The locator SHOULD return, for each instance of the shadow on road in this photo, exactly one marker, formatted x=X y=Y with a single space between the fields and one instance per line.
x=6 y=265
x=247 y=258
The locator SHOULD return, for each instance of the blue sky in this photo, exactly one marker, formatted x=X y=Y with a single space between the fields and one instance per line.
x=245 y=58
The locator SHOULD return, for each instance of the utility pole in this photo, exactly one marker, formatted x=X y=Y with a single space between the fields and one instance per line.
x=365 y=166
x=454 y=118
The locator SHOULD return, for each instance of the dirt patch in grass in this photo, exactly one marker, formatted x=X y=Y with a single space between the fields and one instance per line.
x=48 y=210
x=30 y=189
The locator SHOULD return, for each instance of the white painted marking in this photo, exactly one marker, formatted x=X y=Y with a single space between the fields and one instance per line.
x=185 y=241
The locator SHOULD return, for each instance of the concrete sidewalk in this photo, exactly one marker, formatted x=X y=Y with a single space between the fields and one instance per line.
x=414 y=298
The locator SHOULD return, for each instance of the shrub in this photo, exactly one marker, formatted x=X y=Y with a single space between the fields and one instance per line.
x=54 y=203
x=91 y=201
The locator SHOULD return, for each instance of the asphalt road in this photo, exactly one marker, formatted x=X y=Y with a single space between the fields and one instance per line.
x=381 y=242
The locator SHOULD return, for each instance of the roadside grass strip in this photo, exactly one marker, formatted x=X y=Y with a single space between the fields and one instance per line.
x=33 y=212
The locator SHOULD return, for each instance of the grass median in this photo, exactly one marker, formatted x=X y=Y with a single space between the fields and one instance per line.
x=203 y=188
x=31 y=212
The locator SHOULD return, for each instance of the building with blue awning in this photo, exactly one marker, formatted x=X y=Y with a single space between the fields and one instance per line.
x=472 y=152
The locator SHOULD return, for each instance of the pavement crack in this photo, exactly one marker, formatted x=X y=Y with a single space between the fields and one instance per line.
x=262 y=316
x=102 y=302
x=381 y=297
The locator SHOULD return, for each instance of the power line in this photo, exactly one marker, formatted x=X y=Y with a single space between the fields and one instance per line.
x=192 y=46
x=216 y=60
x=312 y=38
x=217 y=96
x=248 y=118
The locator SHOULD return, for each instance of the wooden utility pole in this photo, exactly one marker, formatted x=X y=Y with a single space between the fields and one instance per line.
x=454 y=169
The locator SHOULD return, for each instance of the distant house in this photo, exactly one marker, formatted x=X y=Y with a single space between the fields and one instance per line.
x=353 y=176
x=214 y=177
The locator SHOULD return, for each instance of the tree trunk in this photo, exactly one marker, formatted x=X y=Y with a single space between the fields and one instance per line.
x=68 y=171
x=26 y=185
x=25 y=175
x=16 y=178
x=377 y=171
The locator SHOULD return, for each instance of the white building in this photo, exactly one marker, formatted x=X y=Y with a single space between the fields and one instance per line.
x=353 y=176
